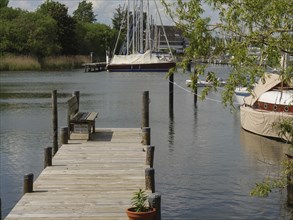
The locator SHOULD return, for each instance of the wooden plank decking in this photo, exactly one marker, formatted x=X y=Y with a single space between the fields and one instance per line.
x=88 y=180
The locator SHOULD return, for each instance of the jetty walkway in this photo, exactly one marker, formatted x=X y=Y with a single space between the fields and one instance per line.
x=88 y=179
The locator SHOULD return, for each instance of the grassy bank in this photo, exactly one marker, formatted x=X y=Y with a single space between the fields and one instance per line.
x=23 y=63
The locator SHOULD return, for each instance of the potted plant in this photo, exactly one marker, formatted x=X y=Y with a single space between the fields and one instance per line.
x=140 y=210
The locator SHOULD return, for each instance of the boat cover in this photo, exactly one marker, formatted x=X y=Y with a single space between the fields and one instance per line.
x=271 y=80
x=147 y=57
x=261 y=122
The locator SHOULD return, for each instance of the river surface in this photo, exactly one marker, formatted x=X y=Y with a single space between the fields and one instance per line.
x=205 y=163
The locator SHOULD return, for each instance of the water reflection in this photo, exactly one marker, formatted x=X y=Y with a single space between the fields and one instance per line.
x=263 y=149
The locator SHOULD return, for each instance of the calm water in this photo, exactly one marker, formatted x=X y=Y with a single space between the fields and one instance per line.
x=205 y=163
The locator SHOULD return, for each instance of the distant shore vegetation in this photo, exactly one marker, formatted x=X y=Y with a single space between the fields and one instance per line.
x=26 y=63
x=49 y=38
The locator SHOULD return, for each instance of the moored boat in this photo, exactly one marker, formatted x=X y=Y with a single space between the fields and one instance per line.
x=269 y=103
x=240 y=94
x=140 y=51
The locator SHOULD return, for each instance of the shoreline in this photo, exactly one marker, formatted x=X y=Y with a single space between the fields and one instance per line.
x=30 y=63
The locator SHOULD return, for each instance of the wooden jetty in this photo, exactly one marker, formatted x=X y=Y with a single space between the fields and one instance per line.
x=88 y=179
x=95 y=67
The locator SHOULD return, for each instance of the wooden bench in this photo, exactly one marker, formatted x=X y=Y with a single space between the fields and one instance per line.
x=75 y=117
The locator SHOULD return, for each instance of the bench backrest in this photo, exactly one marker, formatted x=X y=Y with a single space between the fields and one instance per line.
x=73 y=107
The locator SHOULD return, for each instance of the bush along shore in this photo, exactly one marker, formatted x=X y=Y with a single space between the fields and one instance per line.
x=26 y=63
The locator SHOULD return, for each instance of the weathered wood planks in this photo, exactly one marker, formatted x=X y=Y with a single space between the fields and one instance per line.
x=88 y=180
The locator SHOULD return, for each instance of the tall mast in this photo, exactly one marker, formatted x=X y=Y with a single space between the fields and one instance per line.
x=141 y=27
x=147 y=34
x=133 y=28
x=127 y=36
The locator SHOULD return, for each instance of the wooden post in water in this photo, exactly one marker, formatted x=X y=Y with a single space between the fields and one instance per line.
x=146 y=136
x=189 y=66
x=0 y=209
x=150 y=179
x=55 y=121
x=150 y=150
x=64 y=135
x=47 y=157
x=171 y=95
x=28 y=183
x=77 y=94
x=145 y=109
x=155 y=202
x=195 y=86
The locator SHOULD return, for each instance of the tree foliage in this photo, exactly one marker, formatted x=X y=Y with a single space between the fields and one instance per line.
x=84 y=12
x=4 y=3
x=119 y=17
x=27 y=33
x=242 y=26
x=65 y=23
x=256 y=35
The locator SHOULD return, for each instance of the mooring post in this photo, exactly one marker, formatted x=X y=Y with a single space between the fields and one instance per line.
x=155 y=202
x=145 y=109
x=64 y=135
x=77 y=94
x=189 y=66
x=47 y=157
x=150 y=150
x=146 y=135
x=171 y=94
x=150 y=179
x=55 y=121
x=28 y=183
x=195 y=86
x=0 y=209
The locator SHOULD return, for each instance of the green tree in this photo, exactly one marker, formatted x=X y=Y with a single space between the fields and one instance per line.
x=245 y=25
x=66 y=25
x=84 y=12
x=119 y=17
x=28 y=33
x=94 y=37
x=4 y=3
x=265 y=24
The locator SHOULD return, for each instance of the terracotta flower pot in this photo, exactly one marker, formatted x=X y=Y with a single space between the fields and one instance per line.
x=132 y=215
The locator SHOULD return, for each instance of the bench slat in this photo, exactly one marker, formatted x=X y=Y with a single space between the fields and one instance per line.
x=92 y=116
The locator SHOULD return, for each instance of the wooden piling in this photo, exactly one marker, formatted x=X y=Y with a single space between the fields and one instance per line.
x=195 y=86
x=146 y=136
x=0 y=209
x=155 y=202
x=64 y=135
x=189 y=66
x=171 y=95
x=55 y=121
x=145 y=109
x=47 y=157
x=150 y=150
x=77 y=94
x=28 y=183
x=150 y=179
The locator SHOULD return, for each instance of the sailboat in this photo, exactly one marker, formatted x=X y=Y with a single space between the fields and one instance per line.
x=138 y=57
x=269 y=103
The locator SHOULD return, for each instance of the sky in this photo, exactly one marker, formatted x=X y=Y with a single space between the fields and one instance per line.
x=103 y=9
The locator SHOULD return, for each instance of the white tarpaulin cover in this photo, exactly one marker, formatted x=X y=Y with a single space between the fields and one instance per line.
x=138 y=58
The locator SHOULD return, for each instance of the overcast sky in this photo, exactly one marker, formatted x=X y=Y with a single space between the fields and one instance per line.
x=103 y=9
